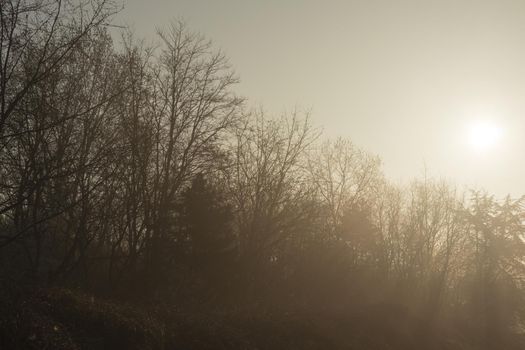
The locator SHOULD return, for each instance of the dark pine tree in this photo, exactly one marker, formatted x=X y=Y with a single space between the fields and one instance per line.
x=205 y=221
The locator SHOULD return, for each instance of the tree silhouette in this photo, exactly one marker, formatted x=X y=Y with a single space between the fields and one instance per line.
x=206 y=223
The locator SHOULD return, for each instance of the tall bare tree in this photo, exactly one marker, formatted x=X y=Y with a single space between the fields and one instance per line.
x=193 y=105
x=268 y=181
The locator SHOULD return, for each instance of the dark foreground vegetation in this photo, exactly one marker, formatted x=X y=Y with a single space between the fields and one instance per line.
x=143 y=206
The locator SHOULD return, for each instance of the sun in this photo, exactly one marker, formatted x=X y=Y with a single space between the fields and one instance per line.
x=484 y=135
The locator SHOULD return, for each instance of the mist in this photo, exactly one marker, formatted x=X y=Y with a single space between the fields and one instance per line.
x=198 y=175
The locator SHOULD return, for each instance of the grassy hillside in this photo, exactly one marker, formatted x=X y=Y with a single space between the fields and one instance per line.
x=68 y=320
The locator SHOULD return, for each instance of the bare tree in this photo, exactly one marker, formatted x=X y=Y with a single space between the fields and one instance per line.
x=36 y=37
x=56 y=171
x=193 y=105
x=344 y=177
x=268 y=181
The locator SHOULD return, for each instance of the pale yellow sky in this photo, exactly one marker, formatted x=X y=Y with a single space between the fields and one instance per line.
x=402 y=79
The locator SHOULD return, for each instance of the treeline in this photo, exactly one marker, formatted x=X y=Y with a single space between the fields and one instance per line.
x=138 y=168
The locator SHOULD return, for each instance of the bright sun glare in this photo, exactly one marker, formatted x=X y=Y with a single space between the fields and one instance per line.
x=484 y=135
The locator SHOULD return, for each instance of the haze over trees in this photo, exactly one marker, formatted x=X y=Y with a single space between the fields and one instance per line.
x=136 y=172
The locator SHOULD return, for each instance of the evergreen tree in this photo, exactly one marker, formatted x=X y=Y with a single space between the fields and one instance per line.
x=205 y=222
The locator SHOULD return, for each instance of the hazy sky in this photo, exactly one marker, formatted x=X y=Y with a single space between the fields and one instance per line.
x=402 y=79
